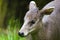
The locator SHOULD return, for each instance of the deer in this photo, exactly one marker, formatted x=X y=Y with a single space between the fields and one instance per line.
x=38 y=26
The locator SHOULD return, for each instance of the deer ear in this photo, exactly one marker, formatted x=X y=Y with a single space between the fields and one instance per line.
x=32 y=5
x=48 y=11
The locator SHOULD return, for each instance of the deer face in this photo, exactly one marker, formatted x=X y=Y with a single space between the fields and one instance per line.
x=30 y=20
x=31 y=23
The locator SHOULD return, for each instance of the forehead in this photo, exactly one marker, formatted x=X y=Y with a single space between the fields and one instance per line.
x=31 y=15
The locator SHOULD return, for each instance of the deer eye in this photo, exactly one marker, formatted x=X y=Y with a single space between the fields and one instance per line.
x=32 y=22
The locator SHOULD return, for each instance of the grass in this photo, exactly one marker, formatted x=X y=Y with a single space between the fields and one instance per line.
x=11 y=33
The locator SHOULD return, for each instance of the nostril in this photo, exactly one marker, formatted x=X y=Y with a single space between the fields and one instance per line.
x=21 y=34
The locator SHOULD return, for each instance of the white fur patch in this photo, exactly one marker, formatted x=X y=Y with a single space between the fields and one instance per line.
x=32 y=5
x=32 y=2
x=45 y=18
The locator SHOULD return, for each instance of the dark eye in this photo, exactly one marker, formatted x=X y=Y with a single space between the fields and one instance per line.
x=32 y=22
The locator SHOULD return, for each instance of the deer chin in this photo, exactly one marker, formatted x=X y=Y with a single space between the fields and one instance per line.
x=25 y=34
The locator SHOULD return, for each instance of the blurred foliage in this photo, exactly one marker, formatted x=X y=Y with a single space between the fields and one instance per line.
x=11 y=17
x=3 y=9
x=16 y=9
x=41 y=3
x=11 y=33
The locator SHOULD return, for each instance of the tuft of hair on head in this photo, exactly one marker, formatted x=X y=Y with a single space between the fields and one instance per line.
x=32 y=5
x=32 y=2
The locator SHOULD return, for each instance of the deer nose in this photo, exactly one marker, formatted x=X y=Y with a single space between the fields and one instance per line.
x=21 y=34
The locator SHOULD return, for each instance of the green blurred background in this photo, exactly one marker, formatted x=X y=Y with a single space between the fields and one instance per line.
x=11 y=17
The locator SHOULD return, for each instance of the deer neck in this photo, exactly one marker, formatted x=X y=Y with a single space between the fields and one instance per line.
x=39 y=35
x=35 y=36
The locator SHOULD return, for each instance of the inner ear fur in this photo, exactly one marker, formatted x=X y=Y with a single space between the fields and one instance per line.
x=47 y=11
x=41 y=12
